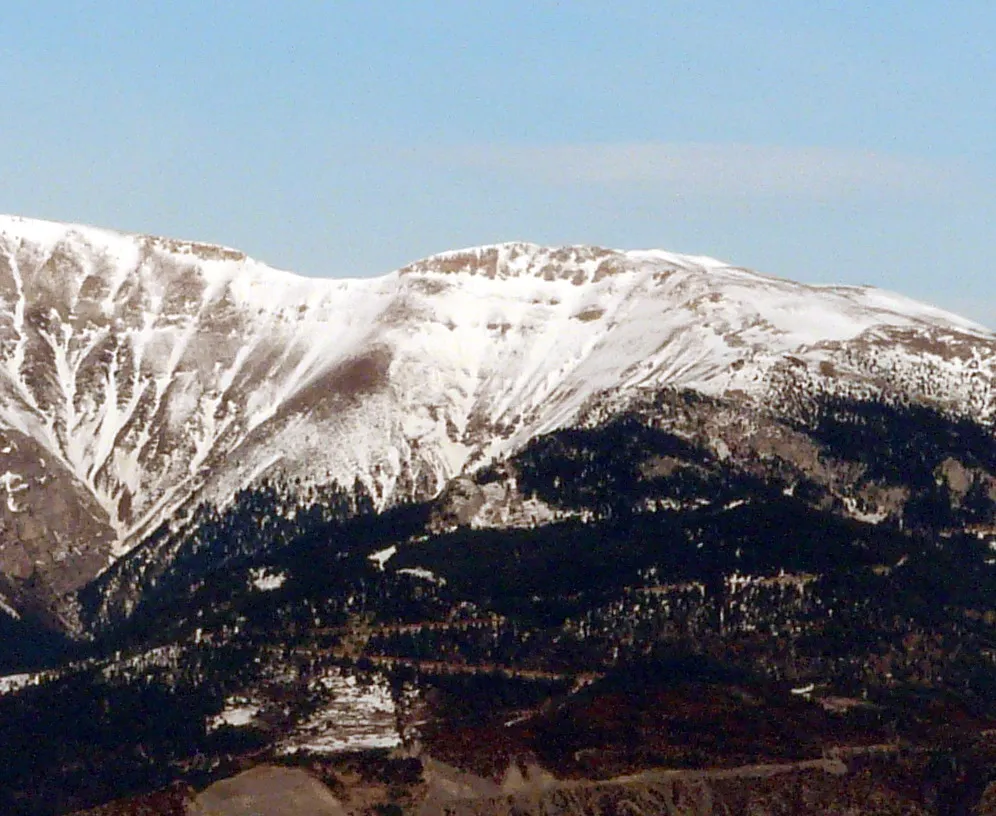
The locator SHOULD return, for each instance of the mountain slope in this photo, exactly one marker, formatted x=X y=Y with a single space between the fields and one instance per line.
x=542 y=512
x=140 y=375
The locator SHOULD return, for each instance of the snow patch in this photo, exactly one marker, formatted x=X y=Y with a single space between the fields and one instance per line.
x=360 y=715
x=15 y=682
x=381 y=557
x=266 y=581
x=423 y=574
x=12 y=483
x=238 y=712
x=867 y=516
x=6 y=607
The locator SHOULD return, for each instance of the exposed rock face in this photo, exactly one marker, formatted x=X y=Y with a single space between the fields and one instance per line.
x=50 y=523
x=459 y=503
x=140 y=376
x=804 y=789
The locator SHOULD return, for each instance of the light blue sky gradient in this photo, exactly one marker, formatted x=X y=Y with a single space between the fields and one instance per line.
x=852 y=143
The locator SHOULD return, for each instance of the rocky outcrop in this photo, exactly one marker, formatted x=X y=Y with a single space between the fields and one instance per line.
x=801 y=789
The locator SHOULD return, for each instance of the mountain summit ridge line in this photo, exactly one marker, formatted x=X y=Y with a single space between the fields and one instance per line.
x=139 y=374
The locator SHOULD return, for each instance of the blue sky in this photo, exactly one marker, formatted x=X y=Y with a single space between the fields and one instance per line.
x=833 y=142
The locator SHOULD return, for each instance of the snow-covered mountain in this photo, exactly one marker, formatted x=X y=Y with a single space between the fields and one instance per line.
x=140 y=375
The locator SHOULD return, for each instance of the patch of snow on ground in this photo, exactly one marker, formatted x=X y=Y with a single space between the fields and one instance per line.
x=872 y=517
x=237 y=713
x=6 y=607
x=266 y=581
x=504 y=507
x=15 y=682
x=424 y=574
x=360 y=715
x=381 y=557
x=12 y=483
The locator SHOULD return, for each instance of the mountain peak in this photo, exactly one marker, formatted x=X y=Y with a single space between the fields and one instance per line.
x=503 y=261
x=577 y=263
x=48 y=233
x=147 y=374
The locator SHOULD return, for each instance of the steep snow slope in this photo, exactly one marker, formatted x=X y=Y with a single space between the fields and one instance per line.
x=140 y=373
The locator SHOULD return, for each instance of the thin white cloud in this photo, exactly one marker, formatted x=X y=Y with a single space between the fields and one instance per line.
x=719 y=169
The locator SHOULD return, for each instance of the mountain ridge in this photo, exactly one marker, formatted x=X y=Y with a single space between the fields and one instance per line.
x=598 y=511
x=146 y=374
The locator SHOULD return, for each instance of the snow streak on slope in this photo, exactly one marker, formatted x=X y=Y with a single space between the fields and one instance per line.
x=152 y=372
x=532 y=334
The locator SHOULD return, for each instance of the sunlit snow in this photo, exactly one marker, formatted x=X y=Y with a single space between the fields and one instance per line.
x=237 y=713
x=266 y=581
x=423 y=574
x=360 y=715
x=175 y=372
x=381 y=557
